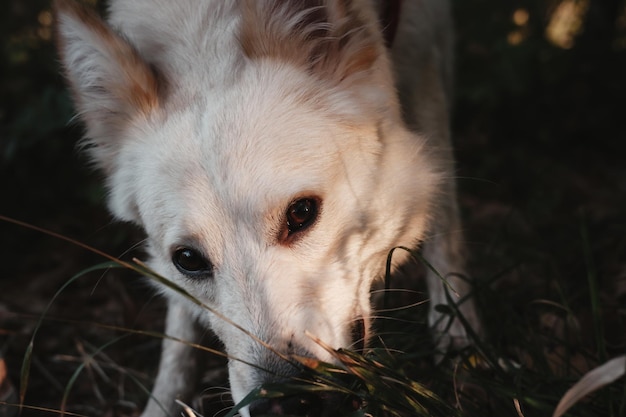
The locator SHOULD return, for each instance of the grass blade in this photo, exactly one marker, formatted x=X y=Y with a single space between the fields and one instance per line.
x=80 y=368
x=597 y=378
x=25 y=370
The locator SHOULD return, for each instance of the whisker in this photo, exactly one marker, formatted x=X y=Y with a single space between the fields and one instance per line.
x=404 y=307
x=394 y=320
x=397 y=290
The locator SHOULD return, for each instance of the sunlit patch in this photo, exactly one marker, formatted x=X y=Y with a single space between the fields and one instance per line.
x=520 y=18
x=566 y=22
x=515 y=38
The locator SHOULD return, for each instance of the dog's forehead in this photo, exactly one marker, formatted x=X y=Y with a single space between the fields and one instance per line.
x=267 y=137
x=252 y=147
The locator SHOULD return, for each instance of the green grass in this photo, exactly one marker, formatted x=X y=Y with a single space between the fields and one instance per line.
x=531 y=356
x=527 y=378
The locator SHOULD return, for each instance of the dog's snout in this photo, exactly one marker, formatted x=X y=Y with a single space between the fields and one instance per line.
x=319 y=404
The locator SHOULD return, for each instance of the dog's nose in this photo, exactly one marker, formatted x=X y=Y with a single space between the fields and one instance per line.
x=321 y=404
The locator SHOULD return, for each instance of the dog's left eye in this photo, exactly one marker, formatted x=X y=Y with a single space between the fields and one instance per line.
x=301 y=214
x=190 y=262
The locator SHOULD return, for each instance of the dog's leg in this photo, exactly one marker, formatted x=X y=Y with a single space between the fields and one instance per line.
x=444 y=251
x=177 y=369
x=422 y=55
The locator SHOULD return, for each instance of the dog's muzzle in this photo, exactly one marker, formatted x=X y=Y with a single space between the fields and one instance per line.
x=319 y=404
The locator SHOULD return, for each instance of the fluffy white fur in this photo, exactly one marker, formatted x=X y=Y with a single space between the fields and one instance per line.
x=208 y=128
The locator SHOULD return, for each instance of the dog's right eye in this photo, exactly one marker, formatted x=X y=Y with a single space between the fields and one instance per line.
x=301 y=214
x=190 y=262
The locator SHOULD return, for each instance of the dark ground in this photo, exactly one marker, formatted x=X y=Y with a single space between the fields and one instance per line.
x=540 y=135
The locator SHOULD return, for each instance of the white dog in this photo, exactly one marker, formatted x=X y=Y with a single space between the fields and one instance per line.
x=274 y=152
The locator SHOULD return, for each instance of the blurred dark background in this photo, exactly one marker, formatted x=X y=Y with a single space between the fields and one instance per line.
x=540 y=136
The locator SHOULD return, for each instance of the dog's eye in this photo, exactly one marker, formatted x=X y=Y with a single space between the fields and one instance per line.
x=301 y=214
x=190 y=262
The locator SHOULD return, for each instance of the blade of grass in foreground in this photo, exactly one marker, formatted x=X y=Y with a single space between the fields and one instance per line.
x=25 y=371
x=77 y=372
x=593 y=380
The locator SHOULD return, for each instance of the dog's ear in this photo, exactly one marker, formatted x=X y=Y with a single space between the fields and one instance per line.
x=110 y=82
x=331 y=38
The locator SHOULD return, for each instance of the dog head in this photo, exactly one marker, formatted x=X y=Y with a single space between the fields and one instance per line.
x=260 y=145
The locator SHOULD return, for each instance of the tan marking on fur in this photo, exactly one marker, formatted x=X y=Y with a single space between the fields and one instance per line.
x=138 y=86
x=329 y=38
